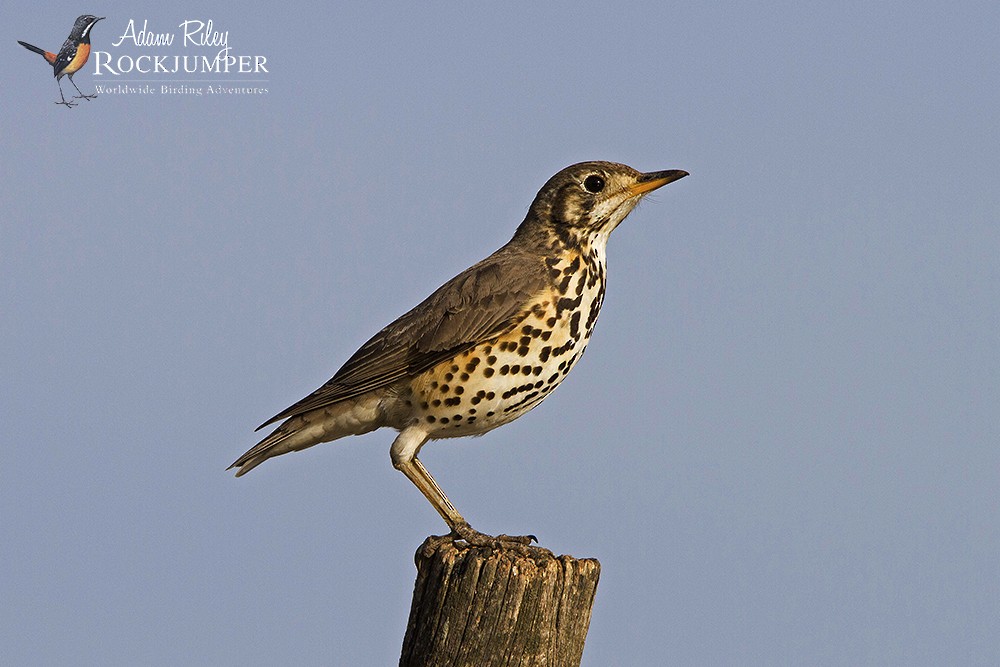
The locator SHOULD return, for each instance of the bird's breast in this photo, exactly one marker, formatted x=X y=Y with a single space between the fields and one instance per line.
x=499 y=380
x=77 y=59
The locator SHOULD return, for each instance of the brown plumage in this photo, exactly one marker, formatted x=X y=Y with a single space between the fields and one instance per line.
x=474 y=306
x=485 y=347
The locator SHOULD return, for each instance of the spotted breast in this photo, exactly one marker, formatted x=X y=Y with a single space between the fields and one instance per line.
x=499 y=380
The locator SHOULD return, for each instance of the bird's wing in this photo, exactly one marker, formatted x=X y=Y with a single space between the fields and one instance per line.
x=478 y=304
x=64 y=58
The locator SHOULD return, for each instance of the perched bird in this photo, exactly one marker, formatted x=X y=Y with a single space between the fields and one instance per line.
x=487 y=346
x=71 y=57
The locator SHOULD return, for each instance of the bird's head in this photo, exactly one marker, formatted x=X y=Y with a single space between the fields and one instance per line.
x=594 y=197
x=81 y=29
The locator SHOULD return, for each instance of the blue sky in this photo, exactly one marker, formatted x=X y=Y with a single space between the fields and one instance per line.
x=781 y=443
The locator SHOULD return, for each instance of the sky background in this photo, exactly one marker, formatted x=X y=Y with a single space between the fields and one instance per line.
x=782 y=443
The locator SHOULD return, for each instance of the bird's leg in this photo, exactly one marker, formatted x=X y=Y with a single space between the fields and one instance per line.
x=404 y=458
x=69 y=104
x=82 y=94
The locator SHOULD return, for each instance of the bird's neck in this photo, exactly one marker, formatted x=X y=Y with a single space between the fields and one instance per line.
x=557 y=240
x=568 y=241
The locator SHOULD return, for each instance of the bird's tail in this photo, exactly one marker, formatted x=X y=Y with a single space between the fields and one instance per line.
x=296 y=433
x=280 y=441
x=48 y=55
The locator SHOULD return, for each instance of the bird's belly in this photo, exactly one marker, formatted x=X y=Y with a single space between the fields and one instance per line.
x=501 y=379
x=79 y=59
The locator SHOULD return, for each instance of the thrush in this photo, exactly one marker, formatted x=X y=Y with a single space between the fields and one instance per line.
x=487 y=346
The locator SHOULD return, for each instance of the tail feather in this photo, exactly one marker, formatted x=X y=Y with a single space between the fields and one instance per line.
x=273 y=445
x=51 y=57
x=296 y=433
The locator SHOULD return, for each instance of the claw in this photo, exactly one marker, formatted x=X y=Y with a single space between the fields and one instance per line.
x=474 y=538
x=517 y=539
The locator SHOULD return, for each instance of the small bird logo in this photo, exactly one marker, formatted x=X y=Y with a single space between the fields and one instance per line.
x=71 y=57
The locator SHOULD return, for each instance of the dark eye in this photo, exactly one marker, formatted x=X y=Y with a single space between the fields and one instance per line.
x=593 y=183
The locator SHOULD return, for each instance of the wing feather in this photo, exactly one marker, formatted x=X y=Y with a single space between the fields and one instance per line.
x=476 y=305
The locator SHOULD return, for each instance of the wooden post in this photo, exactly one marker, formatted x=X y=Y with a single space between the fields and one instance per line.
x=486 y=607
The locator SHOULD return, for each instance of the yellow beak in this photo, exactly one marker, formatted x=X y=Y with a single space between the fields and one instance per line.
x=655 y=179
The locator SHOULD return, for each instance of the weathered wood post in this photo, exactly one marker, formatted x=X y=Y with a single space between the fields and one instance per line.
x=486 y=607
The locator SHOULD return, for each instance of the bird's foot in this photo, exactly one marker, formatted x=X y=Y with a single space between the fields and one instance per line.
x=464 y=531
x=69 y=104
x=467 y=538
x=85 y=96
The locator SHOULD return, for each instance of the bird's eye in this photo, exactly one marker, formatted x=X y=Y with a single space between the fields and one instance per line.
x=593 y=183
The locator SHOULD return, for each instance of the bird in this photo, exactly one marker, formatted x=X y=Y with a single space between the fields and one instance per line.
x=71 y=57
x=484 y=348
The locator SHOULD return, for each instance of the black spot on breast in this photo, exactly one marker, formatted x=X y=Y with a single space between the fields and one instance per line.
x=566 y=303
x=525 y=399
x=595 y=308
x=563 y=285
x=563 y=349
x=514 y=391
